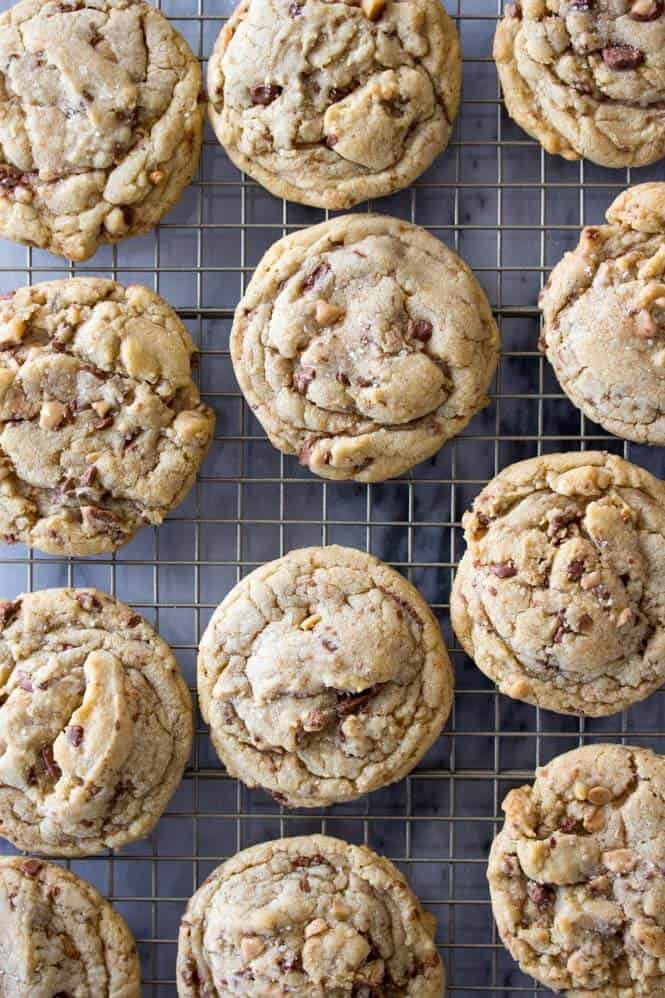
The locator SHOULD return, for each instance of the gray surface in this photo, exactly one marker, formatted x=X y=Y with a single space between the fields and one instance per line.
x=510 y=211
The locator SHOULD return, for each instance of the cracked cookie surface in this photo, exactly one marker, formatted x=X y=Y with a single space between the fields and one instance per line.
x=604 y=318
x=575 y=874
x=323 y=675
x=362 y=345
x=95 y=723
x=101 y=122
x=329 y=104
x=560 y=595
x=586 y=77
x=310 y=916
x=60 y=937
x=101 y=427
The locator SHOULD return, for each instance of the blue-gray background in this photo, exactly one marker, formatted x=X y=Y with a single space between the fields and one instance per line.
x=511 y=211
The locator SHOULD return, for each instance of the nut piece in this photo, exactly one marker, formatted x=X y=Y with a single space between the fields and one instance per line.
x=373 y=9
x=599 y=796
x=620 y=860
x=645 y=325
x=315 y=928
x=646 y=10
x=590 y=580
x=13 y=330
x=310 y=622
x=52 y=415
x=250 y=947
x=156 y=176
x=102 y=407
x=326 y=314
x=649 y=937
x=115 y=223
x=595 y=821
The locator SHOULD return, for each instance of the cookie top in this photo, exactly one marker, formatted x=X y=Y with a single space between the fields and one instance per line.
x=604 y=318
x=60 y=937
x=313 y=914
x=101 y=426
x=102 y=122
x=95 y=723
x=560 y=595
x=576 y=873
x=323 y=675
x=362 y=344
x=331 y=103
x=586 y=77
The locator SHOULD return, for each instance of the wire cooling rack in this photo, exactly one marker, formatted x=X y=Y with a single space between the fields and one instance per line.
x=510 y=211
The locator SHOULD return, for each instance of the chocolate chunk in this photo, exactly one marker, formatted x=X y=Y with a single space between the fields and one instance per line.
x=264 y=93
x=332 y=140
x=50 y=765
x=303 y=883
x=575 y=569
x=541 y=896
x=103 y=424
x=351 y=703
x=190 y=974
x=89 y=475
x=8 y=611
x=338 y=93
x=75 y=734
x=343 y=378
x=295 y=10
x=87 y=601
x=316 y=275
x=422 y=330
x=10 y=177
x=503 y=569
x=133 y=620
x=303 y=377
x=558 y=637
x=30 y=867
x=622 y=57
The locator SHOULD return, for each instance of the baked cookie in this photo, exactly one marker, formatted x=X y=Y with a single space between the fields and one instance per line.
x=576 y=877
x=101 y=426
x=95 y=723
x=604 y=318
x=560 y=595
x=101 y=122
x=586 y=78
x=323 y=675
x=331 y=103
x=362 y=344
x=60 y=937
x=310 y=915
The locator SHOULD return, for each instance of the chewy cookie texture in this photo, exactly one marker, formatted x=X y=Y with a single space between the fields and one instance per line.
x=575 y=874
x=308 y=916
x=101 y=427
x=329 y=104
x=95 y=723
x=102 y=122
x=586 y=78
x=604 y=318
x=362 y=345
x=559 y=596
x=323 y=676
x=60 y=938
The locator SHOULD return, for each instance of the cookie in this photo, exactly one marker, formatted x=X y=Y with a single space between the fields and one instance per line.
x=60 y=937
x=101 y=426
x=329 y=104
x=575 y=874
x=323 y=675
x=101 y=122
x=604 y=318
x=560 y=595
x=95 y=723
x=362 y=344
x=310 y=915
x=586 y=79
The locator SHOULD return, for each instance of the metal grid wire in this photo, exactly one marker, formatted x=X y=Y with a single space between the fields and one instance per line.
x=510 y=211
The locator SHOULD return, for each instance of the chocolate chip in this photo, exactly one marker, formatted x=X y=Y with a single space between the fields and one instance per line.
x=575 y=569
x=422 y=330
x=134 y=620
x=316 y=275
x=651 y=13
x=264 y=93
x=302 y=378
x=503 y=569
x=30 y=867
x=75 y=734
x=342 y=378
x=50 y=765
x=25 y=682
x=190 y=974
x=541 y=896
x=622 y=57
x=8 y=611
